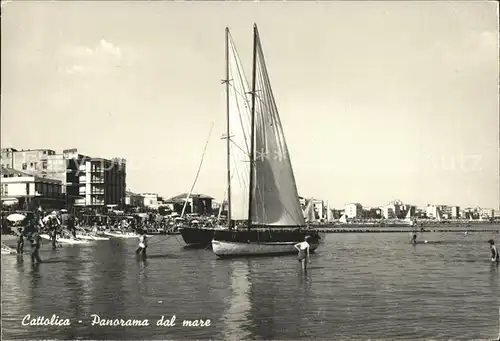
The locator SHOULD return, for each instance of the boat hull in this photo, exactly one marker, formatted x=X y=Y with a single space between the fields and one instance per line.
x=261 y=242
x=199 y=236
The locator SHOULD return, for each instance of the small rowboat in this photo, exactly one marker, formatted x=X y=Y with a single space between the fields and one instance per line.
x=70 y=241
x=7 y=250
x=90 y=237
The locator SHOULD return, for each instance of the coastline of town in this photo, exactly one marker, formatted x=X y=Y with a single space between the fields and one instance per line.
x=94 y=191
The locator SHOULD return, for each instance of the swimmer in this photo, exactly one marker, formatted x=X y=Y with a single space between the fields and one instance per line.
x=414 y=239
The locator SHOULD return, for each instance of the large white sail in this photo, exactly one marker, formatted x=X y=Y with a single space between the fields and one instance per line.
x=275 y=197
x=239 y=135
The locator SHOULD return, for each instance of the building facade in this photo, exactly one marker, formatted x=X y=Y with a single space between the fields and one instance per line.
x=133 y=199
x=353 y=210
x=101 y=182
x=85 y=181
x=29 y=191
x=197 y=203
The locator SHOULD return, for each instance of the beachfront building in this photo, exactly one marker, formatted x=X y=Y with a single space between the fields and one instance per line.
x=85 y=181
x=26 y=191
x=44 y=163
x=395 y=209
x=102 y=182
x=455 y=212
x=197 y=203
x=486 y=213
x=150 y=200
x=353 y=210
x=431 y=211
x=133 y=199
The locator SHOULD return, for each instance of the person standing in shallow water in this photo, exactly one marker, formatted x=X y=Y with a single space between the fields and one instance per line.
x=304 y=256
x=143 y=244
x=35 y=247
x=495 y=256
x=20 y=242
x=414 y=239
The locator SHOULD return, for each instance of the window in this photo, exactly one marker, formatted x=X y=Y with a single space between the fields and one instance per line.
x=25 y=166
x=31 y=164
x=27 y=189
x=35 y=165
x=44 y=164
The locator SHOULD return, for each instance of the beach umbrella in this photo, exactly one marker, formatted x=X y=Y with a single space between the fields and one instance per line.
x=10 y=202
x=15 y=217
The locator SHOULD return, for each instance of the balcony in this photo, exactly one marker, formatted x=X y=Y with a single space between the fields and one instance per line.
x=97 y=180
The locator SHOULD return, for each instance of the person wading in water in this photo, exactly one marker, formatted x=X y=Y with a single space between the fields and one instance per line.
x=35 y=247
x=20 y=242
x=143 y=244
x=495 y=256
x=414 y=239
x=304 y=256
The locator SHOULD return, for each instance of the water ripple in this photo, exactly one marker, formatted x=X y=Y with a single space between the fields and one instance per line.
x=367 y=286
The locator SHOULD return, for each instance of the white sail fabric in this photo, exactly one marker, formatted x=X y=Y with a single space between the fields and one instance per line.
x=239 y=135
x=275 y=197
x=310 y=215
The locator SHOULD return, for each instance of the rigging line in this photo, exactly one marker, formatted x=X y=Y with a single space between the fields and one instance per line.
x=199 y=169
x=235 y=52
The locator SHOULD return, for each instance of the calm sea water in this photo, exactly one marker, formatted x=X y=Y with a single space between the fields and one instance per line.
x=359 y=286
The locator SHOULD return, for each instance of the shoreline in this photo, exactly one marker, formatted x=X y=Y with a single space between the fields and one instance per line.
x=398 y=230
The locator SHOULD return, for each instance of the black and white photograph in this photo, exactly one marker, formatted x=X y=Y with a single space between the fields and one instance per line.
x=250 y=170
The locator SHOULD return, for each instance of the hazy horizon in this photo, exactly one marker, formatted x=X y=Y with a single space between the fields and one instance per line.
x=378 y=100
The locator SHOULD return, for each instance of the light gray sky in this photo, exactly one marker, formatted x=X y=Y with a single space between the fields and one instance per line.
x=379 y=100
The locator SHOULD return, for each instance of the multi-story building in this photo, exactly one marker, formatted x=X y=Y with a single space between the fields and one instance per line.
x=353 y=210
x=29 y=191
x=44 y=163
x=101 y=181
x=150 y=200
x=85 y=181
x=486 y=213
x=455 y=212
x=395 y=209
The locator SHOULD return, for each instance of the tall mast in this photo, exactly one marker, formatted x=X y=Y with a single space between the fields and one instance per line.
x=252 y=135
x=228 y=142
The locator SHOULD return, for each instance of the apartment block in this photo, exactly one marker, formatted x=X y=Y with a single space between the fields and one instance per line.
x=101 y=182
x=85 y=181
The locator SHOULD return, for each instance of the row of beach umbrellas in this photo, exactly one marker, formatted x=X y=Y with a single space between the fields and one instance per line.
x=17 y=217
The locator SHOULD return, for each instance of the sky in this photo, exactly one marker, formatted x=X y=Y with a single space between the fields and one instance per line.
x=378 y=100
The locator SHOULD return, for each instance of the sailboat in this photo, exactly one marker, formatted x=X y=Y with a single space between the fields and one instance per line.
x=264 y=198
x=237 y=104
